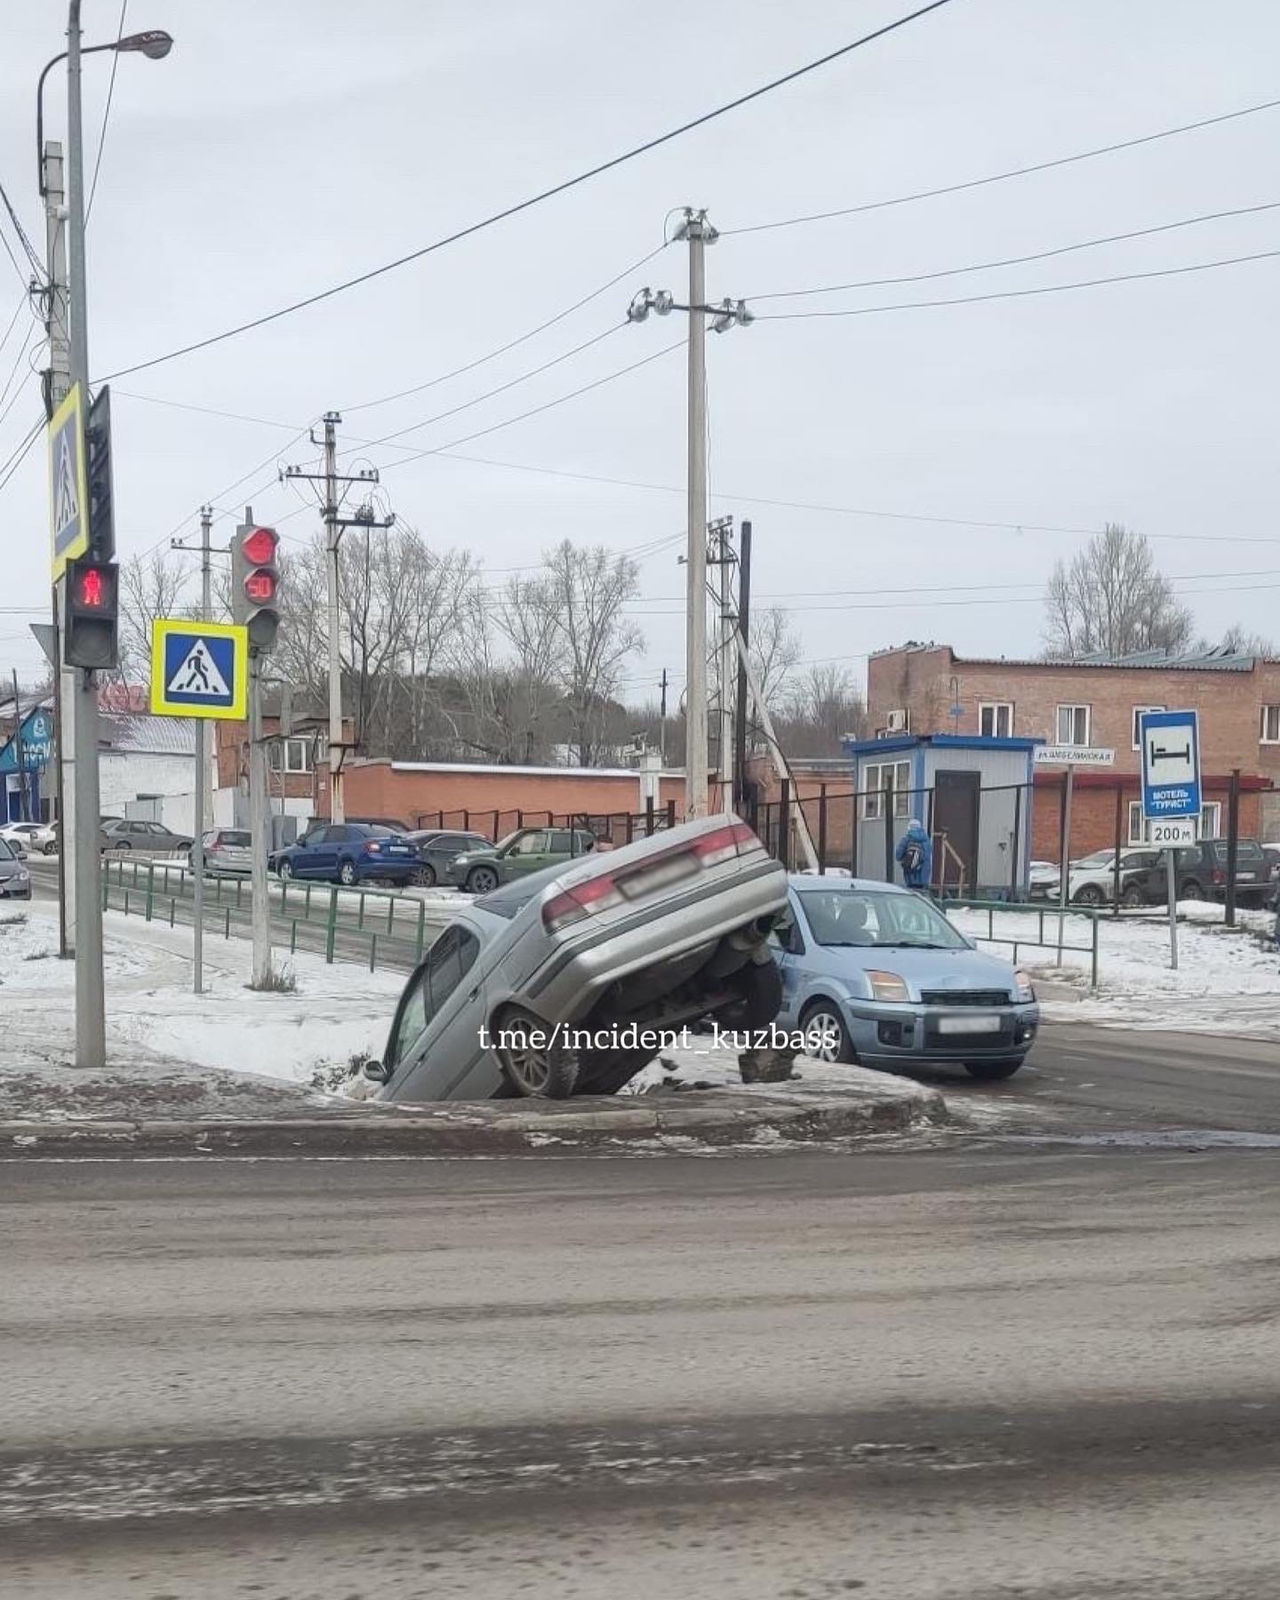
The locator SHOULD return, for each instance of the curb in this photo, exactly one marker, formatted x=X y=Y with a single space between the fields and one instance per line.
x=712 y=1119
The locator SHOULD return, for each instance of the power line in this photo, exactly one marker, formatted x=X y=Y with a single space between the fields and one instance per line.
x=1021 y=294
x=30 y=254
x=1012 y=172
x=1018 y=261
x=511 y=344
x=535 y=199
x=20 y=454
x=106 y=114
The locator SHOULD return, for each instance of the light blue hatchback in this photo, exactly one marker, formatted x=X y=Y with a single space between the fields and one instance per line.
x=876 y=974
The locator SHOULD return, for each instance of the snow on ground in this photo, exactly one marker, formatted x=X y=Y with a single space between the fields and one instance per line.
x=1228 y=979
x=699 y=1064
x=154 y=1019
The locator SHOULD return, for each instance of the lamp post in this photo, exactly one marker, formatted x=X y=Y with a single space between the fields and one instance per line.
x=77 y=693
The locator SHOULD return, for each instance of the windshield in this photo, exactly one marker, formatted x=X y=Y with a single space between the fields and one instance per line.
x=5 y=853
x=842 y=918
x=1099 y=858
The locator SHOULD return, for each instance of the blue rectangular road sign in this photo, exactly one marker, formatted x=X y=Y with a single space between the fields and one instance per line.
x=198 y=669
x=1170 y=763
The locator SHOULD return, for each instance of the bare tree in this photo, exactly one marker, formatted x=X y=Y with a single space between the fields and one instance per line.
x=1113 y=599
x=150 y=587
x=824 y=707
x=775 y=653
x=1239 y=641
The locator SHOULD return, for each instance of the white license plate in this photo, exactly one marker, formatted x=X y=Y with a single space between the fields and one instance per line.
x=978 y=1023
x=659 y=876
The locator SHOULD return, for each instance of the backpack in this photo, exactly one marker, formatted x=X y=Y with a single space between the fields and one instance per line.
x=913 y=856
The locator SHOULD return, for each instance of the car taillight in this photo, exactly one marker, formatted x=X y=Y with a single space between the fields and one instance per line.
x=723 y=843
x=373 y=848
x=597 y=894
x=1219 y=876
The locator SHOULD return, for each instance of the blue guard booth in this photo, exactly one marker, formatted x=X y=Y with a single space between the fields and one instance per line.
x=973 y=795
x=35 y=740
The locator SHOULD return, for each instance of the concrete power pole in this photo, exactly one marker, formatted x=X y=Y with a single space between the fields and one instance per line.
x=332 y=533
x=259 y=820
x=721 y=556
x=91 y=1026
x=57 y=325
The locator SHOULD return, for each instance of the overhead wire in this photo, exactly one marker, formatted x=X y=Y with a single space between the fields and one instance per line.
x=19 y=455
x=32 y=258
x=1023 y=260
x=106 y=114
x=1011 y=172
x=535 y=199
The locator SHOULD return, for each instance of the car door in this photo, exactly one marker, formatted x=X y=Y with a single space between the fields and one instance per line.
x=438 y=1050
x=531 y=852
x=328 y=851
x=310 y=853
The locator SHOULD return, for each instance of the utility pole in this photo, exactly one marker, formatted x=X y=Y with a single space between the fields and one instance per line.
x=662 y=718
x=58 y=383
x=720 y=555
x=259 y=821
x=698 y=233
x=740 y=718
x=202 y=809
x=91 y=1024
x=24 y=805
x=334 y=527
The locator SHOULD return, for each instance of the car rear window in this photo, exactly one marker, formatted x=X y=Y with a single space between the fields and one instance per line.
x=1246 y=850
x=234 y=838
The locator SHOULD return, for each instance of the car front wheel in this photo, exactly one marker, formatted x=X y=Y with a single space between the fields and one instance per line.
x=534 y=1063
x=481 y=880
x=993 y=1071
x=1132 y=897
x=347 y=874
x=1088 y=894
x=825 y=1036
x=285 y=869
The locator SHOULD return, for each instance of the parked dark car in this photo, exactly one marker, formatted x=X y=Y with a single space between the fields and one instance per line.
x=131 y=835
x=524 y=851
x=347 y=852
x=438 y=850
x=15 y=879
x=1201 y=874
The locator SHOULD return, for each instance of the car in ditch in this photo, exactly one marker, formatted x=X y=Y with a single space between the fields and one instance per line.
x=874 y=973
x=561 y=982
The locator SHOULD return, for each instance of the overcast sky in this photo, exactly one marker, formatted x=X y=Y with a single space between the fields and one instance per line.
x=284 y=146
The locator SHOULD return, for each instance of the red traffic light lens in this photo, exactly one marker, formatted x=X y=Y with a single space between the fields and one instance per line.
x=260 y=587
x=93 y=589
x=259 y=547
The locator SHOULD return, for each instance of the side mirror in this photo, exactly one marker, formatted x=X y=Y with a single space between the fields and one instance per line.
x=375 y=1071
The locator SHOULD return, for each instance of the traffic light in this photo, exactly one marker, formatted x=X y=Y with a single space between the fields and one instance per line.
x=91 y=623
x=255 y=585
x=102 y=531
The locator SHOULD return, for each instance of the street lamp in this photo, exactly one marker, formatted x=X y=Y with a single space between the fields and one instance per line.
x=154 y=43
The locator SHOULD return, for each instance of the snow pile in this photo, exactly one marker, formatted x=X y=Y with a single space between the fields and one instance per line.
x=1228 y=979
x=153 y=1019
x=701 y=1065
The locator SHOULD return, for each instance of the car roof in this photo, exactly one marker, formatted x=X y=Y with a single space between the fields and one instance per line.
x=831 y=880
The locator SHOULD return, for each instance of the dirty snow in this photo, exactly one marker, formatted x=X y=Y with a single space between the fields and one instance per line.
x=1228 y=979
x=154 y=1020
x=698 y=1066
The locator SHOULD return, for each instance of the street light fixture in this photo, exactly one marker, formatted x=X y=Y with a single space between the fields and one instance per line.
x=154 y=43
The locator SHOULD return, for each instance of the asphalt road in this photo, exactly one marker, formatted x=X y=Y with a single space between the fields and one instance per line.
x=1039 y=1358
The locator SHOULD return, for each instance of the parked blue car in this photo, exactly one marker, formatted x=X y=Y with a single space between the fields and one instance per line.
x=875 y=973
x=347 y=852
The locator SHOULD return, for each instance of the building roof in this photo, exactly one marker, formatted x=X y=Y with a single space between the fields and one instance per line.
x=1215 y=660
x=152 y=736
x=896 y=743
x=474 y=767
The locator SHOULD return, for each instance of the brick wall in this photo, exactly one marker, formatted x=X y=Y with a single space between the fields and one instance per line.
x=1093 y=812
x=1230 y=703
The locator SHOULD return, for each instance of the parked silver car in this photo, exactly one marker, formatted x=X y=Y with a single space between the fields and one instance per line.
x=226 y=851
x=875 y=973
x=556 y=983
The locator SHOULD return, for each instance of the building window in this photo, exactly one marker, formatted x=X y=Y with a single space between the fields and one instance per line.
x=1211 y=820
x=294 y=755
x=995 y=719
x=887 y=777
x=1270 y=730
x=1073 y=725
x=1139 y=826
x=1137 y=726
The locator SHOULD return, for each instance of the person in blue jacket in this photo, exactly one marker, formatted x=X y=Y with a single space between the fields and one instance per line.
x=915 y=856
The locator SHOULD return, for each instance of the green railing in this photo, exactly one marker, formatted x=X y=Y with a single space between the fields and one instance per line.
x=325 y=915
x=1056 y=941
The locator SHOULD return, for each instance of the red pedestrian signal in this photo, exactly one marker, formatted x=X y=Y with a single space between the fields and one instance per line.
x=91 y=617
x=93 y=590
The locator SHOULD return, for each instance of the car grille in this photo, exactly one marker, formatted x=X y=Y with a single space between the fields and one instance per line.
x=965 y=997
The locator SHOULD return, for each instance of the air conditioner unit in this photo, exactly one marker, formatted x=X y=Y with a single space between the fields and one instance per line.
x=899 y=721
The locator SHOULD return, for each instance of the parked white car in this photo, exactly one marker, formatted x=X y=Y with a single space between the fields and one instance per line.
x=1091 y=880
x=31 y=836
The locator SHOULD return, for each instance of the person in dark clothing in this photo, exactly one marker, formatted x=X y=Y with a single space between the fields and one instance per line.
x=915 y=856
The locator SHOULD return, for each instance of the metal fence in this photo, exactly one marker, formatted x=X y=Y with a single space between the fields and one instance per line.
x=373 y=925
x=609 y=827
x=1020 y=941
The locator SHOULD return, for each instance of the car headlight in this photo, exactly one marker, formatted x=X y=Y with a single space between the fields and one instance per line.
x=1024 y=989
x=887 y=986
x=22 y=875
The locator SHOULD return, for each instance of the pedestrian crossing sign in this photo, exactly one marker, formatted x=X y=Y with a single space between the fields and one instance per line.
x=199 y=669
x=68 y=483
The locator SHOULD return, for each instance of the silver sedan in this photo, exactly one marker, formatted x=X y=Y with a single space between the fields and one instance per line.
x=560 y=983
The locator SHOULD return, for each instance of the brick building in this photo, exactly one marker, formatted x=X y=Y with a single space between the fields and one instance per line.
x=929 y=689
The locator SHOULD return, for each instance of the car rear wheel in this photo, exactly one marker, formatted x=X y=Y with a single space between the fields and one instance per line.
x=825 y=1036
x=534 y=1063
x=1132 y=896
x=285 y=869
x=424 y=876
x=49 y=849
x=1192 y=890
x=481 y=880
x=1088 y=894
x=993 y=1071
x=347 y=873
